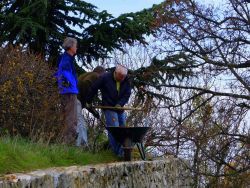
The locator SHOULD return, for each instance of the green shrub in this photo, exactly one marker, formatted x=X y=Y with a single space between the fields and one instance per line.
x=29 y=99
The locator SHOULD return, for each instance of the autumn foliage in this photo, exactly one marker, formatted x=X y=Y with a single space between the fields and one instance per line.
x=29 y=100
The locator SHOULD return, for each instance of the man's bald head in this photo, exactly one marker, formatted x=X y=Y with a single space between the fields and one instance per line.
x=120 y=73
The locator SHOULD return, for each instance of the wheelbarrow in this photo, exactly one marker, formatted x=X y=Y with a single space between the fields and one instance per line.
x=128 y=137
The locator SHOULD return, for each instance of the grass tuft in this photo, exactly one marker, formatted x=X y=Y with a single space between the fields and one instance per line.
x=20 y=155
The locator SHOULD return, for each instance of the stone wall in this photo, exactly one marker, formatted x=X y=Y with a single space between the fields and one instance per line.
x=167 y=173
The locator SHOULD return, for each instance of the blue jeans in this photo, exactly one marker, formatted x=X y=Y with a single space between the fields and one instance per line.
x=115 y=119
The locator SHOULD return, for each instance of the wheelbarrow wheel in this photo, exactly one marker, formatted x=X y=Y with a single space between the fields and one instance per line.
x=127 y=149
x=127 y=154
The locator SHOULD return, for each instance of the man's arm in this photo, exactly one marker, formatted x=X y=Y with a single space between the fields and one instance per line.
x=124 y=99
x=94 y=88
x=65 y=76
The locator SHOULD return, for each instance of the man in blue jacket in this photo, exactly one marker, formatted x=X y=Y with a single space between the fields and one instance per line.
x=116 y=90
x=67 y=81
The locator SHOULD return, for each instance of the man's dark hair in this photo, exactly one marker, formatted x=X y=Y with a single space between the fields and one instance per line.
x=99 y=70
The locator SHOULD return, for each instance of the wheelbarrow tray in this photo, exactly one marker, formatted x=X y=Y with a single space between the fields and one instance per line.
x=135 y=134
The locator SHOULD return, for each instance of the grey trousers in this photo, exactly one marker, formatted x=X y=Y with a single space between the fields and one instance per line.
x=82 y=138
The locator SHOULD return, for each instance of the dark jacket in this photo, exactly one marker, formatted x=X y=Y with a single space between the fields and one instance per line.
x=110 y=96
x=84 y=83
x=66 y=75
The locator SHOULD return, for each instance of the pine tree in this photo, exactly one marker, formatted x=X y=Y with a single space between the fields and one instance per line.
x=41 y=25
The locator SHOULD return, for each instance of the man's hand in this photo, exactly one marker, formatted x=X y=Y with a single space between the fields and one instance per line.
x=87 y=105
x=65 y=83
x=118 y=106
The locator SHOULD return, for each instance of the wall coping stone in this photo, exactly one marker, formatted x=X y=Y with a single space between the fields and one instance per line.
x=169 y=172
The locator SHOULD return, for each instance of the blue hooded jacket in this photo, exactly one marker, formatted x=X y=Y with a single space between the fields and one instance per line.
x=110 y=96
x=66 y=75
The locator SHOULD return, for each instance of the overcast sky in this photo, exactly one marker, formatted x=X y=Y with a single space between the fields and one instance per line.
x=117 y=7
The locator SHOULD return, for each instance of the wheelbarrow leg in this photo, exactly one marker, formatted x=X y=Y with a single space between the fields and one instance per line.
x=141 y=150
x=127 y=149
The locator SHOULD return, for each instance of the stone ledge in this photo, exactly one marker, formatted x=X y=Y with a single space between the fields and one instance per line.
x=165 y=173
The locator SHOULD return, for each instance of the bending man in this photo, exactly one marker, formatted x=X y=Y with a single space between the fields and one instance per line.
x=115 y=89
x=84 y=83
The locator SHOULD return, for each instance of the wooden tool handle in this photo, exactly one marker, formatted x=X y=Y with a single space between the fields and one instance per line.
x=118 y=108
